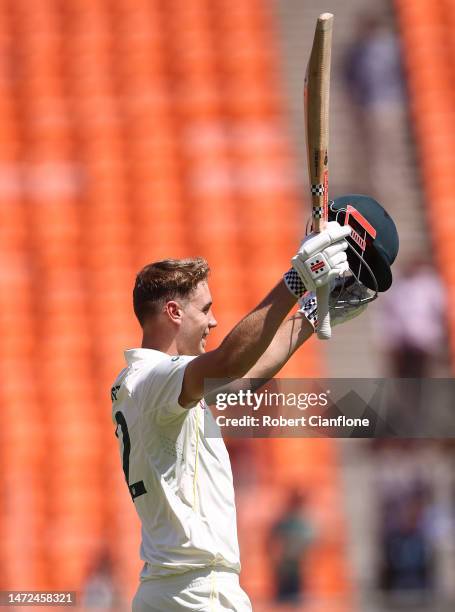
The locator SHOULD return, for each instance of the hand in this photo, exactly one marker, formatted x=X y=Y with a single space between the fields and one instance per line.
x=350 y=300
x=321 y=257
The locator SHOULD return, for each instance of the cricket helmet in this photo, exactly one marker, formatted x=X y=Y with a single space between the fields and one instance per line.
x=373 y=244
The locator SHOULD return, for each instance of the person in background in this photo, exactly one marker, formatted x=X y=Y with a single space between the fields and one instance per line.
x=415 y=312
x=374 y=81
x=407 y=547
x=290 y=537
x=100 y=588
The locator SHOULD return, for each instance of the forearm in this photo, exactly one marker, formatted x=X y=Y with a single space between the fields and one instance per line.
x=289 y=337
x=251 y=337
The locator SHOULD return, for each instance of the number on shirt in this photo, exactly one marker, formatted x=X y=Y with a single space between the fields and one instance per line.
x=138 y=488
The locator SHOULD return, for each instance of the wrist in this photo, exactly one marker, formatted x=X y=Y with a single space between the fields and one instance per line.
x=308 y=307
x=307 y=327
x=294 y=283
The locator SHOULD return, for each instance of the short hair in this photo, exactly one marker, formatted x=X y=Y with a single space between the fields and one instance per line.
x=166 y=280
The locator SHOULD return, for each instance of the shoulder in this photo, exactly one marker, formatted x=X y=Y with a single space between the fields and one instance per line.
x=160 y=365
x=156 y=377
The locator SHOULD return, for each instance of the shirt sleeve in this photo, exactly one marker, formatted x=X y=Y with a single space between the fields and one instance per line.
x=159 y=388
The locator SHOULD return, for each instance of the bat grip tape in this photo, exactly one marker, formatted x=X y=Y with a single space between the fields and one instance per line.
x=324 y=330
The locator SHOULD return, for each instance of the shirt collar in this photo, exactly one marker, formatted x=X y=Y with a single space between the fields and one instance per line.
x=139 y=354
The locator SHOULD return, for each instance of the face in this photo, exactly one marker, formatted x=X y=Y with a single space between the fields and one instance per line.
x=197 y=321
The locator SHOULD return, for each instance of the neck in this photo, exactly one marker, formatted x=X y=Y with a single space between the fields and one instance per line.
x=152 y=340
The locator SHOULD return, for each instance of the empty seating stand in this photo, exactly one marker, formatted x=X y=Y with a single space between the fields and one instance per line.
x=131 y=131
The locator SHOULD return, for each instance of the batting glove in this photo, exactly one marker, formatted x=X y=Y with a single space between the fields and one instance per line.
x=322 y=256
x=308 y=306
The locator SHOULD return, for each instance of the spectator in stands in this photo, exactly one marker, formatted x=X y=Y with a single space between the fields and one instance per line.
x=290 y=538
x=407 y=547
x=374 y=83
x=415 y=312
x=100 y=590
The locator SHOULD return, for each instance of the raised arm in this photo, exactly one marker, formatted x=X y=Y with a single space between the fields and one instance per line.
x=320 y=257
x=290 y=336
x=242 y=347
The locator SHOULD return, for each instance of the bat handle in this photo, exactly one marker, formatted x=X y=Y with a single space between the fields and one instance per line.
x=324 y=329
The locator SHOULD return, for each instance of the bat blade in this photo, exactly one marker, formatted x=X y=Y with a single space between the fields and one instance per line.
x=316 y=96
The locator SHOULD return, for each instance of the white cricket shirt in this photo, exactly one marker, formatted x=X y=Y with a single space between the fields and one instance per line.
x=180 y=481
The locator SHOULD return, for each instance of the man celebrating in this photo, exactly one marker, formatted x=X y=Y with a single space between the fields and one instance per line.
x=179 y=480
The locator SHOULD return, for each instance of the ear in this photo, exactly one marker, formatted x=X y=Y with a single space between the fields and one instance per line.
x=174 y=311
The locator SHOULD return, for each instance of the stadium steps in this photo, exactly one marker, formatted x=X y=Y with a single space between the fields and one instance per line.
x=427 y=32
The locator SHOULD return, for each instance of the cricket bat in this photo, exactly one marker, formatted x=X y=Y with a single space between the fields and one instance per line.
x=316 y=102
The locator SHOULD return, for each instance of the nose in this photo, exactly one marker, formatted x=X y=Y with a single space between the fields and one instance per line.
x=212 y=321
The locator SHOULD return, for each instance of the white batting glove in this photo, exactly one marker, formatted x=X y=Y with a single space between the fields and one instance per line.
x=308 y=306
x=322 y=256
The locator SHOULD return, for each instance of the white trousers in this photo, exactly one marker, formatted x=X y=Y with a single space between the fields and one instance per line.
x=203 y=590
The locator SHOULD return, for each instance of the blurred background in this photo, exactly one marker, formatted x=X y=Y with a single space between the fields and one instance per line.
x=134 y=130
